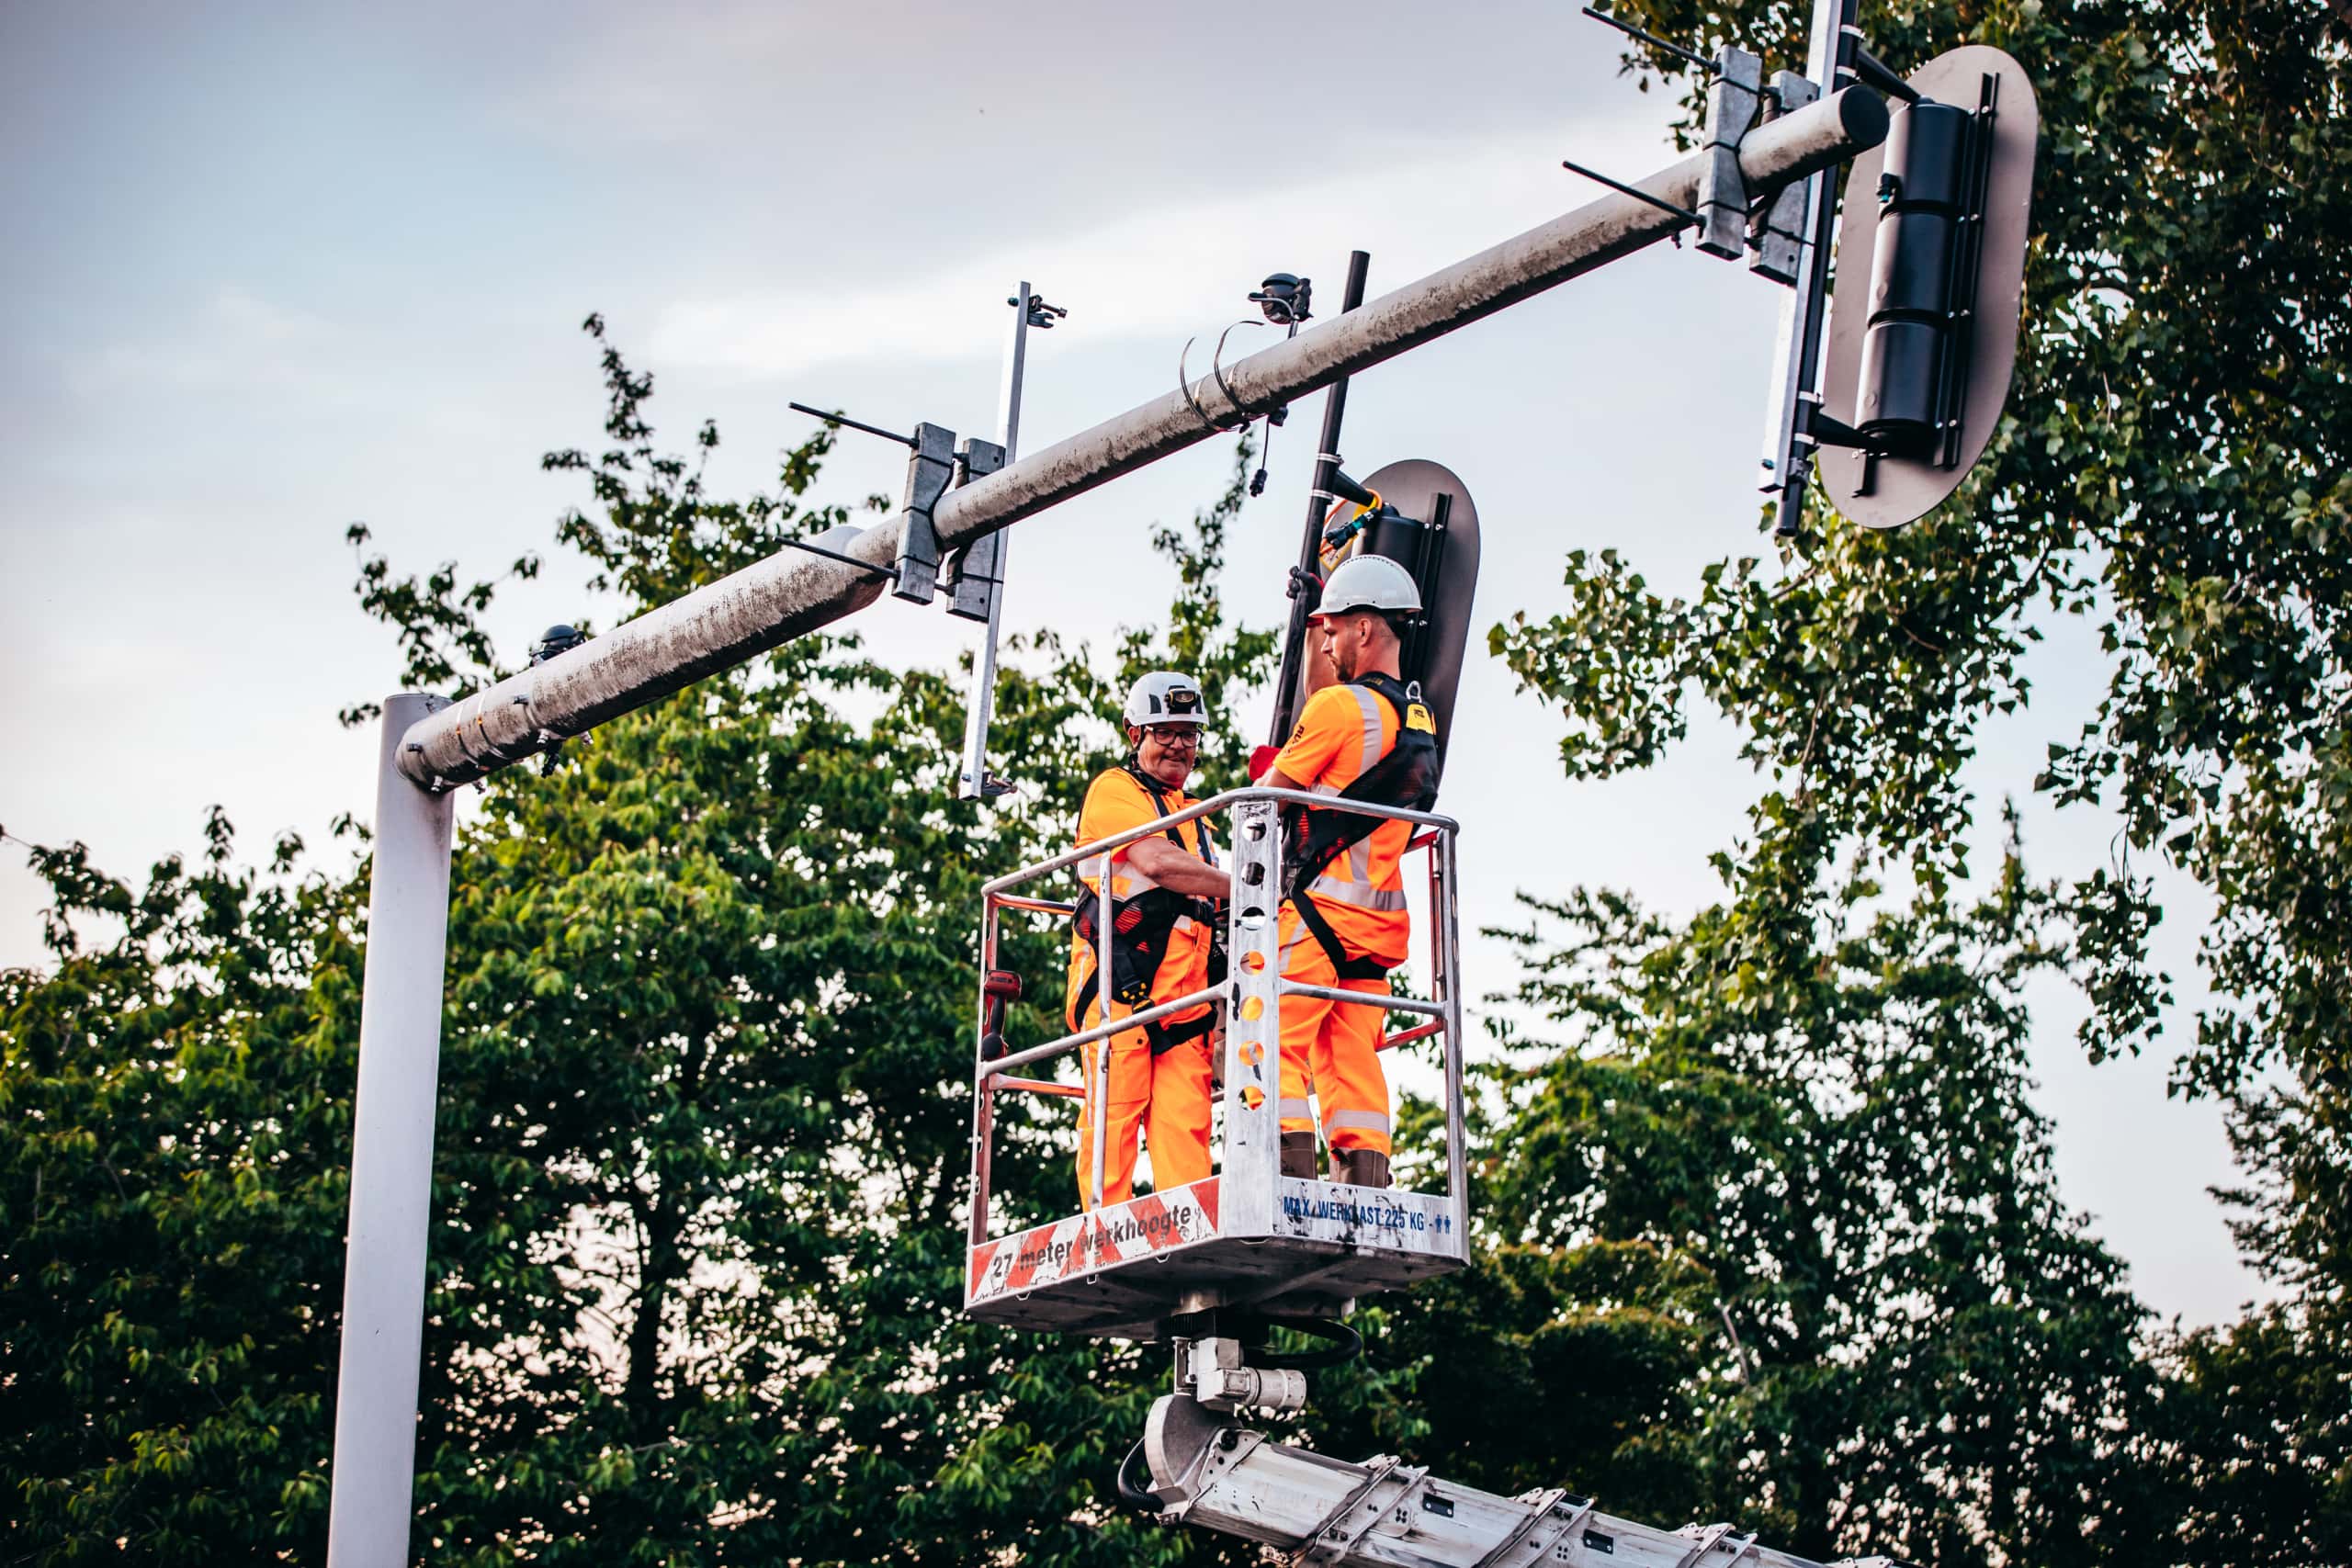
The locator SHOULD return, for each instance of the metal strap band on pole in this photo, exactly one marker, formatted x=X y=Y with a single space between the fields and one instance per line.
x=741 y=616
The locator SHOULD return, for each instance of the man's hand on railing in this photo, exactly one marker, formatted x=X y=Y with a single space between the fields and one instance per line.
x=1178 y=870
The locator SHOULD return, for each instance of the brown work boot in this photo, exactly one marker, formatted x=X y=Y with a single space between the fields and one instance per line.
x=1360 y=1167
x=1298 y=1154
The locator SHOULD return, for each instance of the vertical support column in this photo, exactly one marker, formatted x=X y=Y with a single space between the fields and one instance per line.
x=983 y=563
x=1449 y=941
x=1796 y=372
x=1288 y=697
x=983 y=1080
x=1106 y=907
x=391 y=1160
x=1253 y=1027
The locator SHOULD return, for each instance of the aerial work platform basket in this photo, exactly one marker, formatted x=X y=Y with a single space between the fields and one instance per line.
x=1246 y=1235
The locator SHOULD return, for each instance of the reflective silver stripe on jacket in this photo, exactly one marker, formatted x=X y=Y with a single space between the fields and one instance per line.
x=1356 y=889
x=1367 y=709
x=1366 y=1121
x=1131 y=880
x=1358 y=894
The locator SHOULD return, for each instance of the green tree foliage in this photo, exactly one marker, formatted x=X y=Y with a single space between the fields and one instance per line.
x=706 y=1124
x=1920 y=1353
x=2172 y=468
x=1770 y=1222
x=704 y=1135
x=175 y=1105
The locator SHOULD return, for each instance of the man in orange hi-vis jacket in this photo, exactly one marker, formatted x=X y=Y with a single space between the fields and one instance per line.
x=1368 y=737
x=1161 y=938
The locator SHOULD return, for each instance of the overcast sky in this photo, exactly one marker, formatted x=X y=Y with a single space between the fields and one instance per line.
x=271 y=271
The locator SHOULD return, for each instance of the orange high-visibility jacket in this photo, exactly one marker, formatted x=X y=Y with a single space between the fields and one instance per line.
x=1345 y=729
x=1115 y=803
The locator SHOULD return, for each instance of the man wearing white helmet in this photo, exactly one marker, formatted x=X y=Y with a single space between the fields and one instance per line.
x=1162 y=932
x=1369 y=737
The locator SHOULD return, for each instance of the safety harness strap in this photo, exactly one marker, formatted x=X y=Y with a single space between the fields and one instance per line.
x=1166 y=1037
x=1361 y=967
x=1407 y=776
x=1145 y=925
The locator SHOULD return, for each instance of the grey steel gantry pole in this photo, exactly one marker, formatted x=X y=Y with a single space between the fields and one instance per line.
x=391 y=1159
x=429 y=747
x=791 y=594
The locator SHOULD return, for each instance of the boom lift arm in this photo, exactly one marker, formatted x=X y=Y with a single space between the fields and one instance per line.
x=1204 y=1468
x=1384 y=1513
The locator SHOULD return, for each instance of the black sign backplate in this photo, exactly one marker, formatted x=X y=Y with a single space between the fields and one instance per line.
x=1904 y=488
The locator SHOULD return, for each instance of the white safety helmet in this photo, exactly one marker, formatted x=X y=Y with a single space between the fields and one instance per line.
x=1370 y=582
x=1166 y=697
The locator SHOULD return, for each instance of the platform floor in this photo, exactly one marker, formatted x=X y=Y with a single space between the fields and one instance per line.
x=1126 y=1270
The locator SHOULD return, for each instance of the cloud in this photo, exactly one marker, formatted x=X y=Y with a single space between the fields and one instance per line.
x=236 y=340
x=704 y=73
x=1169 y=272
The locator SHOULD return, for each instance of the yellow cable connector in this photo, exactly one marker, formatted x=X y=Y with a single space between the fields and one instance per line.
x=1335 y=549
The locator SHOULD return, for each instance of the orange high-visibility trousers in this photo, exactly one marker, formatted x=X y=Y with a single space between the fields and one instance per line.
x=1167 y=1096
x=1330 y=1049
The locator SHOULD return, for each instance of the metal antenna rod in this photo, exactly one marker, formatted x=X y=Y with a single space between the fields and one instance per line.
x=1700 y=61
x=835 y=556
x=1635 y=191
x=852 y=423
x=1876 y=72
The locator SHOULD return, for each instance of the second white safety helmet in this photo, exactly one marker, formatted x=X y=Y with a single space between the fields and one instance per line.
x=1164 y=696
x=1370 y=582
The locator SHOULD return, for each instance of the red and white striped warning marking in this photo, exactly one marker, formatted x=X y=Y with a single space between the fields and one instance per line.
x=1088 y=1244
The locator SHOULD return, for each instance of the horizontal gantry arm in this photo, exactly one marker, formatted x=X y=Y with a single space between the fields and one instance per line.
x=793 y=592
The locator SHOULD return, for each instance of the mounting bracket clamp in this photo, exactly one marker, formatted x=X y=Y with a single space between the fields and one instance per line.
x=1732 y=101
x=975 y=573
x=929 y=472
x=1776 y=237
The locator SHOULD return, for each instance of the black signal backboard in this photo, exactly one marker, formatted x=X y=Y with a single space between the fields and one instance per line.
x=1902 y=487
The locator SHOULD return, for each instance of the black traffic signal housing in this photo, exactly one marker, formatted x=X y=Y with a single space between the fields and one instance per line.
x=1923 y=279
x=1923 y=327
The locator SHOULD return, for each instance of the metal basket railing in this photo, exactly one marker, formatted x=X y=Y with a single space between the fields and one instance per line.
x=1252 y=915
